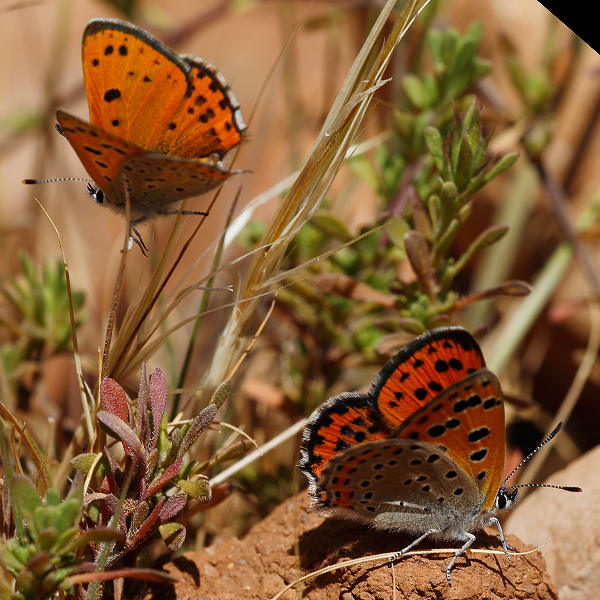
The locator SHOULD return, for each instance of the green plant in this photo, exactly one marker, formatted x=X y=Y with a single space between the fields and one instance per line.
x=40 y=328
x=46 y=551
x=355 y=305
x=153 y=477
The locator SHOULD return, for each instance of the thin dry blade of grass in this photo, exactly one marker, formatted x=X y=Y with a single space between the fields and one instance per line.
x=140 y=318
x=307 y=192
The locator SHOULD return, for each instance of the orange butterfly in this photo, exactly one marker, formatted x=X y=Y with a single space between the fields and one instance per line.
x=159 y=123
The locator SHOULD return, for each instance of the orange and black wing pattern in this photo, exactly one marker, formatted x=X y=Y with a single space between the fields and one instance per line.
x=422 y=370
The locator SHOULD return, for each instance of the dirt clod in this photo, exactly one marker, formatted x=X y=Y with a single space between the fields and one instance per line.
x=264 y=562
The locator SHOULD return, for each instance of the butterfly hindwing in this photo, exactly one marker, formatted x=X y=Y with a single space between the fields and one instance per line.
x=396 y=484
x=156 y=181
x=338 y=424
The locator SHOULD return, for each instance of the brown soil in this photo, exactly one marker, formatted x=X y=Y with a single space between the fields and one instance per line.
x=264 y=562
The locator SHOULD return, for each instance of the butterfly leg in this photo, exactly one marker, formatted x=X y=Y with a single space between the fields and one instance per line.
x=413 y=544
x=470 y=539
x=138 y=240
x=505 y=546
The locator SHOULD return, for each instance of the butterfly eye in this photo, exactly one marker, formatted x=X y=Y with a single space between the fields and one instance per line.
x=96 y=193
x=506 y=499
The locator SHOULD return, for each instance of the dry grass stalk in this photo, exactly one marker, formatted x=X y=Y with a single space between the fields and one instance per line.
x=309 y=189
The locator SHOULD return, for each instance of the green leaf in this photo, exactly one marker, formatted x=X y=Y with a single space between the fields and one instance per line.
x=84 y=462
x=396 y=229
x=221 y=393
x=415 y=91
x=173 y=535
x=47 y=538
x=199 y=489
x=433 y=140
x=364 y=169
x=65 y=538
x=53 y=497
x=69 y=514
x=463 y=172
x=97 y=535
x=331 y=225
x=26 y=497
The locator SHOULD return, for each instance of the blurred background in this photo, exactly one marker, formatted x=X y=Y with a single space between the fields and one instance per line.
x=285 y=62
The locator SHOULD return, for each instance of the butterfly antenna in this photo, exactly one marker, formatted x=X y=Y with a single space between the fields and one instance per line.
x=560 y=487
x=35 y=181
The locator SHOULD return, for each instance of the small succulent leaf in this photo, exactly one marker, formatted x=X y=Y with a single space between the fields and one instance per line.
x=158 y=402
x=46 y=538
x=331 y=225
x=463 y=169
x=172 y=506
x=231 y=452
x=198 y=489
x=199 y=424
x=339 y=284
x=98 y=535
x=173 y=535
x=175 y=444
x=53 y=497
x=445 y=240
x=45 y=516
x=139 y=515
x=113 y=398
x=417 y=251
x=113 y=464
x=141 y=415
x=412 y=325
x=171 y=471
x=151 y=462
x=65 y=538
x=69 y=514
x=25 y=496
x=434 y=207
x=84 y=462
x=419 y=215
x=433 y=139
x=396 y=229
x=415 y=91
x=221 y=393
x=361 y=165
x=164 y=445
x=148 y=525
x=120 y=430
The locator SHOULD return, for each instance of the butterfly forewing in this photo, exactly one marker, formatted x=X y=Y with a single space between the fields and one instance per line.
x=467 y=420
x=423 y=369
x=142 y=91
x=135 y=86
